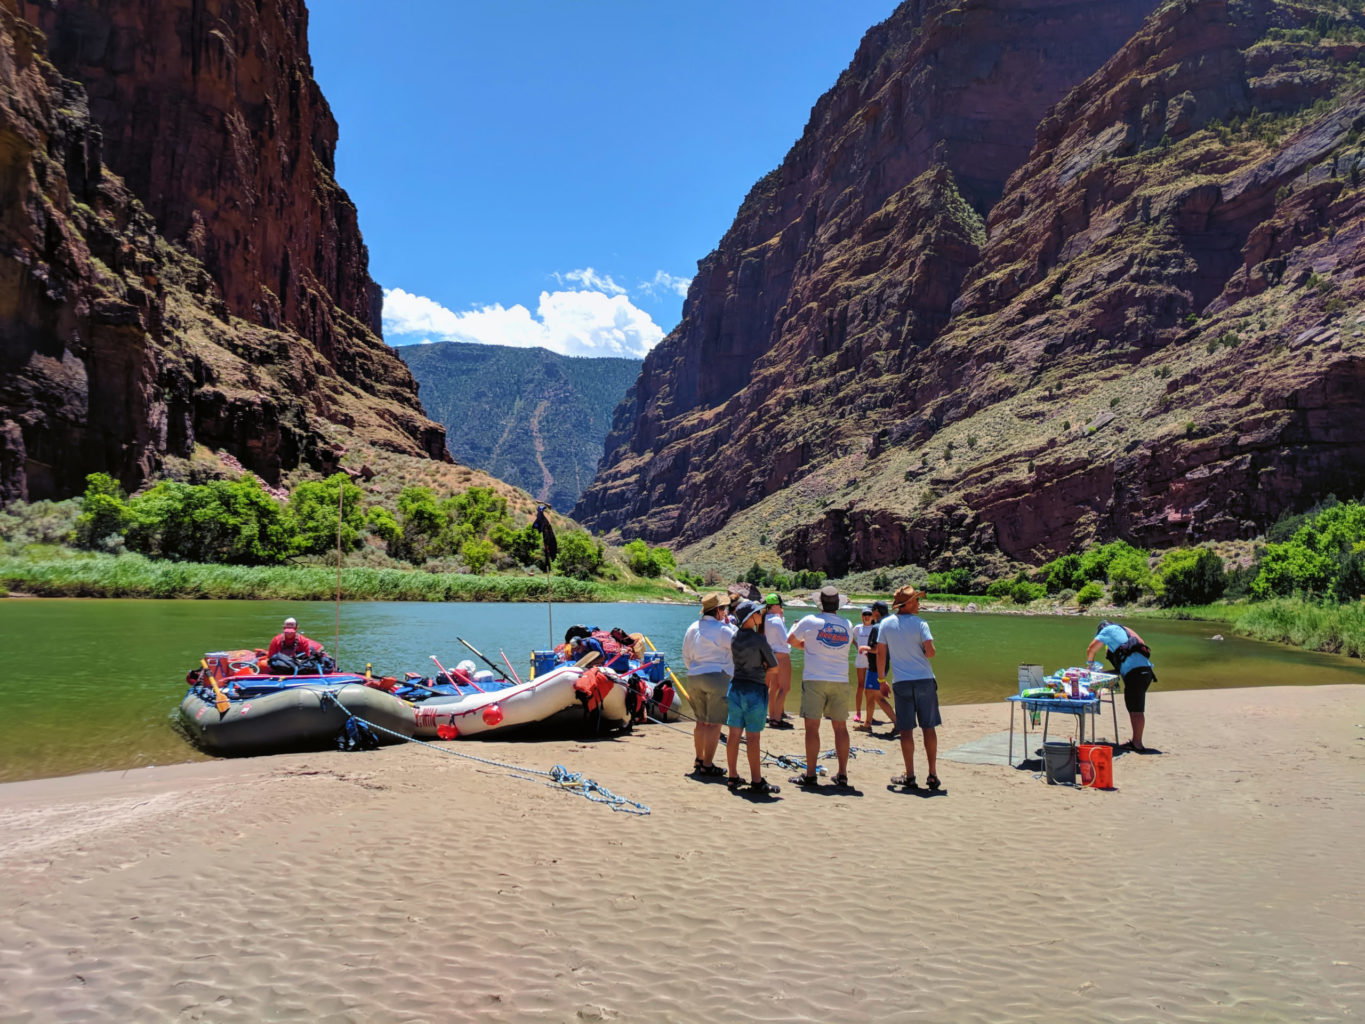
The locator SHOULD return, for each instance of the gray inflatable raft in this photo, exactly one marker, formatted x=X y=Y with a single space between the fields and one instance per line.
x=299 y=718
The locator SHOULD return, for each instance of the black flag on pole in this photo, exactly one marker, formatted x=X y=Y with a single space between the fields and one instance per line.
x=547 y=535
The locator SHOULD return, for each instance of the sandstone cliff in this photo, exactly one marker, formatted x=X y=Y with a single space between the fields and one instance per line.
x=1036 y=273
x=177 y=265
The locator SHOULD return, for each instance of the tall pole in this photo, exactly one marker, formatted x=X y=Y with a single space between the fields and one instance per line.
x=336 y=637
x=549 y=601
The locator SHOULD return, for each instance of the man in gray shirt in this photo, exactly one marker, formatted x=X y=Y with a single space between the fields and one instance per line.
x=905 y=638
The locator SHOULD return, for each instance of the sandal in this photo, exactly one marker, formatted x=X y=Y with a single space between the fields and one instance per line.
x=908 y=781
x=712 y=770
x=804 y=781
x=733 y=782
x=840 y=780
x=764 y=788
x=932 y=782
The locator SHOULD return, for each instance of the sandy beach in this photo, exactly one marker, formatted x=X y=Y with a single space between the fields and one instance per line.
x=1220 y=880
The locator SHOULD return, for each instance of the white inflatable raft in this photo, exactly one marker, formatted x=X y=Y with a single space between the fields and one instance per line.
x=538 y=700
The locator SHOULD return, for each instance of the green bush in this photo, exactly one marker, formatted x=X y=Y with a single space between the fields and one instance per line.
x=1062 y=573
x=1318 y=558
x=231 y=521
x=1129 y=575
x=999 y=588
x=477 y=554
x=579 y=555
x=1023 y=593
x=104 y=514
x=951 y=581
x=1089 y=594
x=313 y=505
x=1190 y=576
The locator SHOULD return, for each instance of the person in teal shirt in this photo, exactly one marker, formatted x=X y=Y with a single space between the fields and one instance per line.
x=1133 y=667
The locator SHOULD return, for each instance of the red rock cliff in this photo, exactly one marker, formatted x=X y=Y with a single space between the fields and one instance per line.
x=1154 y=334
x=119 y=348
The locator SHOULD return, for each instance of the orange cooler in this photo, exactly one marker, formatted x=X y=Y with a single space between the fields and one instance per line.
x=1096 y=764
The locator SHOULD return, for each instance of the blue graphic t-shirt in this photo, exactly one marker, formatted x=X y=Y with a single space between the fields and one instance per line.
x=828 y=638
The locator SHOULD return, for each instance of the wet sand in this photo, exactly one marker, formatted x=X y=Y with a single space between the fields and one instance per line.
x=1220 y=880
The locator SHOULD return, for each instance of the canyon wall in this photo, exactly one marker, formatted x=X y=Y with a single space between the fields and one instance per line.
x=1036 y=273
x=178 y=267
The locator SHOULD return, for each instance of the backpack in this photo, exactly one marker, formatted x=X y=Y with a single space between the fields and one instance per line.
x=1133 y=645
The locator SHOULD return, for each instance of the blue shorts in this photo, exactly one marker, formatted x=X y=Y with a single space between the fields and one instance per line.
x=916 y=704
x=748 y=707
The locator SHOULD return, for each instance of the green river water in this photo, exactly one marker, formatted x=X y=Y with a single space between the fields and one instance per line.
x=93 y=685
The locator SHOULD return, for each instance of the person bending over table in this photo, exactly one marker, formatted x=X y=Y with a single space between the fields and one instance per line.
x=1125 y=653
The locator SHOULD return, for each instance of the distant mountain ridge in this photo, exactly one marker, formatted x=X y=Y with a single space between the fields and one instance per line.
x=528 y=416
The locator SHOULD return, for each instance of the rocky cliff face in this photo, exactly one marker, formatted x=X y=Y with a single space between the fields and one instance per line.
x=1036 y=273
x=235 y=311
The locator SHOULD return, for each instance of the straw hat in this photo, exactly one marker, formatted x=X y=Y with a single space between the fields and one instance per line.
x=714 y=600
x=904 y=595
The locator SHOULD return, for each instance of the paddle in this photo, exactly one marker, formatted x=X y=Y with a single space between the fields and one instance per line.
x=483 y=659
x=452 y=678
x=220 y=700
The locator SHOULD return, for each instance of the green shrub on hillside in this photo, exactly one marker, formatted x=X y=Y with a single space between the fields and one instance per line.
x=314 y=506
x=1089 y=594
x=646 y=561
x=1321 y=558
x=232 y=521
x=1022 y=592
x=952 y=581
x=1190 y=576
x=579 y=555
x=104 y=513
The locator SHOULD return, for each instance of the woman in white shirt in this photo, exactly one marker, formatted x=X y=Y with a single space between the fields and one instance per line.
x=780 y=678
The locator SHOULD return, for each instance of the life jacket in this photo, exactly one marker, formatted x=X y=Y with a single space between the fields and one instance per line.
x=1133 y=645
x=591 y=688
x=637 y=700
x=664 y=696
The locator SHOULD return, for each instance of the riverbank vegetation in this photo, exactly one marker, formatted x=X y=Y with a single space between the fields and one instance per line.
x=232 y=538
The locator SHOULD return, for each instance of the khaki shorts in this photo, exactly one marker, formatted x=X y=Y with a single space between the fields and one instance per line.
x=821 y=699
x=706 y=694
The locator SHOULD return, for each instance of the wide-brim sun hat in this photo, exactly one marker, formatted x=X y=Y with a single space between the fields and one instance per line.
x=714 y=600
x=905 y=594
x=745 y=609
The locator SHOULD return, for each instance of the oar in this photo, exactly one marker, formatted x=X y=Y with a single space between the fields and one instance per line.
x=509 y=667
x=483 y=659
x=676 y=681
x=220 y=700
x=449 y=676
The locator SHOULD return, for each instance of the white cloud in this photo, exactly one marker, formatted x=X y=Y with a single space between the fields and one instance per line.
x=590 y=280
x=576 y=323
x=666 y=282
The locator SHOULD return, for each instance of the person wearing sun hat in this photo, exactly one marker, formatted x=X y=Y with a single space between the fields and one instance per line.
x=904 y=638
x=710 y=664
x=779 y=678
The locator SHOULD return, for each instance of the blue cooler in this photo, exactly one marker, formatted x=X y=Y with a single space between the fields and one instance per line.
x=542 y=662
x=653 y=668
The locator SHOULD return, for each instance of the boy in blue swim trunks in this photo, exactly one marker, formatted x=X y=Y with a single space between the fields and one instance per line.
x=748 y=695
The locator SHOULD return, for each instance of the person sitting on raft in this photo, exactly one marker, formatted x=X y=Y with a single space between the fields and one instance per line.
x=294 y=647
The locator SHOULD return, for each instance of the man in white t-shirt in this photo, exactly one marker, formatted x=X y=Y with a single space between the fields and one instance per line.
x=905 y=638
x=826 y=638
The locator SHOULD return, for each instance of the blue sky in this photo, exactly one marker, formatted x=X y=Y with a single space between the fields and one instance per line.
x=547 y=173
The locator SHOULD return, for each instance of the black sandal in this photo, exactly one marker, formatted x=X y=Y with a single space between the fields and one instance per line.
x=932 y=782
x=764 y=788
x=908 y=781
x=805 y=781
x=733 y=782
x=840 y=780
x=711 y=770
